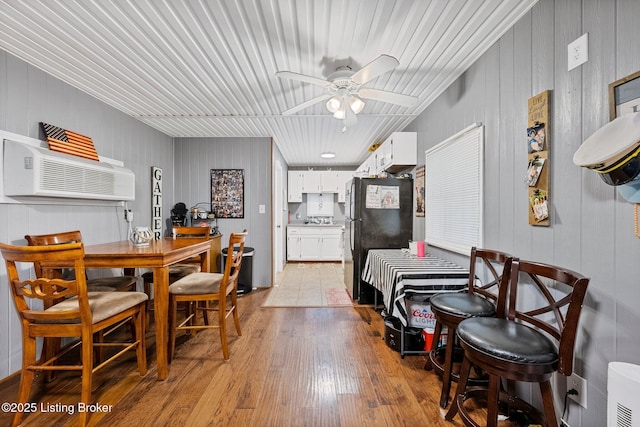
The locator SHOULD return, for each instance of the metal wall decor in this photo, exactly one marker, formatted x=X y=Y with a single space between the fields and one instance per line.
x=227 y=193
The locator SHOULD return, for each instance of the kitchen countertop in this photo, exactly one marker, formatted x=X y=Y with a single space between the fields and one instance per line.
x=336 y=225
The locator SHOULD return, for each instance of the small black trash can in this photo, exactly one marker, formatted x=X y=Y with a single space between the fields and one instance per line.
x=245 y=279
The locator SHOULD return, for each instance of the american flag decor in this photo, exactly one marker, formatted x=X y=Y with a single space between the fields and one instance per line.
x=65 y=141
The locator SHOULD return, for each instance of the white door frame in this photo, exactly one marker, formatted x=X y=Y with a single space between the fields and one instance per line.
x=278 y=213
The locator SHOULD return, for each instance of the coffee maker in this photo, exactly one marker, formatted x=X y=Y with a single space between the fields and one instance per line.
x=179 y=215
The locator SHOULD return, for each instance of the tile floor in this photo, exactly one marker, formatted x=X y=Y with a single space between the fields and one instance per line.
x=305 y=284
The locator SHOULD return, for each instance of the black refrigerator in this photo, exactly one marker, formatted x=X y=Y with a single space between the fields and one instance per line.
x=378 y=215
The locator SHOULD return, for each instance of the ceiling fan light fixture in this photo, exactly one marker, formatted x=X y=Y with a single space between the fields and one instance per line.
x=339 y=114
x=356 y=104
x=333 y=104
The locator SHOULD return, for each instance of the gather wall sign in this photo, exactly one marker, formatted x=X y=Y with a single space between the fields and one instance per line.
x=156 y=202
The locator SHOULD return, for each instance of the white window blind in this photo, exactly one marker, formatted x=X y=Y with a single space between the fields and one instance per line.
x=453 y=191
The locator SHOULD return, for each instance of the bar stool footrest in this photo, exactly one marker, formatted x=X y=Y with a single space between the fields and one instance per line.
x=436 y=358
x=513 y=408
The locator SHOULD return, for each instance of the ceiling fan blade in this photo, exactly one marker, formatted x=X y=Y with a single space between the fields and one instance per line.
x=303 y=78
x=391 y=97
x=306 y=104
x=379 y=66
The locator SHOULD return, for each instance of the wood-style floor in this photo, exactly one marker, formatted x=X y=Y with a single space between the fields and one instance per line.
x=291 y=367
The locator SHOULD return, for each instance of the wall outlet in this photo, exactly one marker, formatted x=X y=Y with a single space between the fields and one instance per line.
x=579 y=384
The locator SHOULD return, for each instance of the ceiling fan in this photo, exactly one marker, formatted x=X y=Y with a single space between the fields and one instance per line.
x=345 y=91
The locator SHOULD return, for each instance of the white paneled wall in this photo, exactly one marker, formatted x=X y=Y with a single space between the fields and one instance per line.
x=29 y=96
x=591 y=228
x=194 y=159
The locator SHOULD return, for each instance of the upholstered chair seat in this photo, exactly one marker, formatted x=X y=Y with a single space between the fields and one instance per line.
x=197 y=283
x=102 y=305
x=463 y=304
x=510 y=342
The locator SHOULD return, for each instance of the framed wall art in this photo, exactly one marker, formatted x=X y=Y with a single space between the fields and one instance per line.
x=624 y=95
x=227 y=193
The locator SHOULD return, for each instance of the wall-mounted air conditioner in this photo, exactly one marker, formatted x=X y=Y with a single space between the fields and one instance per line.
x=36 y=171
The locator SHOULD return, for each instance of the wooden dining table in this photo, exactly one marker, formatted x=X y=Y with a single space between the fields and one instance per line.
x=158 y=255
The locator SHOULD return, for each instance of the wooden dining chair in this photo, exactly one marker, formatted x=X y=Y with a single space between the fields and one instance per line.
x=123 y=283
x=182 y=269
x=529 y=342
x=78 y=314
x=102 y=284
x=209 y=287
x=478 y=300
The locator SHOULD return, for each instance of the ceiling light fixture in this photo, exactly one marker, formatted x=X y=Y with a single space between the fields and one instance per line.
x=327 y=155
x=356 y=104
x=339 y=114
x=336 y=105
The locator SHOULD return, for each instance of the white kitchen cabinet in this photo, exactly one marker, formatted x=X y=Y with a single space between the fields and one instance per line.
x=314 y=243
x=364 y=170
x=384 y=155
x=293 y=245
x=311 y=245
x=344 y=177
x=303 y=243
x=331 y=181
x=331 y=249
x=300 y=182
x=369 y=166
x=295 y=183
x=312 y=181
x=397 y=153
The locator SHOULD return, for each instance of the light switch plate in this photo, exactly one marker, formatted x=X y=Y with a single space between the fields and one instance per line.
x=261 y=209
x=578 y=51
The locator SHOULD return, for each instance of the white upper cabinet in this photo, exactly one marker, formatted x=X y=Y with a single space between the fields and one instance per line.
x=344 y=177
x=368 y=167
x=295 y=182
x=398 y=152
x=330 y=182
x=300 y=182
x=312 y=181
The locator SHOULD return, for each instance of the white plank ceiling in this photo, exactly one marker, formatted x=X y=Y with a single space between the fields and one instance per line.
x=206 y=68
